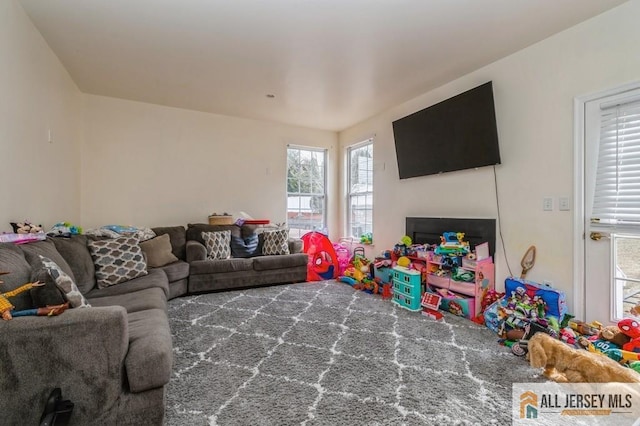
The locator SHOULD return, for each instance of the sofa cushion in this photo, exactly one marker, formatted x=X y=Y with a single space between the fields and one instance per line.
x=33 y=251
x=65 y=283
x=218 y=244
x=150 y=357
x=117 y=260
x=12 y=260
x=75 y=251
x=135 y=301
x=154 y=278
x=264 y=263
x=47 y=295
x=158 y=251
x=296 y=245
x=176 y=271
x=275 y=242
x=194 y=231
x=245 y=247
x=178 y=238
x=215 y=266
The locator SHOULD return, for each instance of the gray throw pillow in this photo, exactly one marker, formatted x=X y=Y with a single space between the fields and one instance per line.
x=275 y=242
x=117 y=260
x=218 y=244
x=65 y=283
x=74 y=250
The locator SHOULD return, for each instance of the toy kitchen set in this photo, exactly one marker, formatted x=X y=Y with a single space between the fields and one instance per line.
x=458 y=275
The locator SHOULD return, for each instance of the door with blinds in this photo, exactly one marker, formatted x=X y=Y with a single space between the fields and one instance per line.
x=612 y=206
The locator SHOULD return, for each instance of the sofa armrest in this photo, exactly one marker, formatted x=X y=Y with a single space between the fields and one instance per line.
x=81 y=351
x=295 y=245
x=195 y=251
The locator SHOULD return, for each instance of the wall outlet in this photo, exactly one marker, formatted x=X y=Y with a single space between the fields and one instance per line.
x=547 y=204
x=563 y=204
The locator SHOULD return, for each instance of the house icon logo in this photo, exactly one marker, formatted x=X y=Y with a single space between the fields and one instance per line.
x=528 y=405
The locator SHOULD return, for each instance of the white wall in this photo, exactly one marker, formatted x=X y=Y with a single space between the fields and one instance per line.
x=39 y=181
x=149 y=165
x=534 y=91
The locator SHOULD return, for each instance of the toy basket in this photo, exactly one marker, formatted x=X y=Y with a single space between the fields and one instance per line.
x=221 y=220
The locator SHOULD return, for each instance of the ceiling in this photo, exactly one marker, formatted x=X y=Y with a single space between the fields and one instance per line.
x=329 y=63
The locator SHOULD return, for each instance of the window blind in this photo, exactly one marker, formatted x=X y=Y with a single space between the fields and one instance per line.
x=616 y=201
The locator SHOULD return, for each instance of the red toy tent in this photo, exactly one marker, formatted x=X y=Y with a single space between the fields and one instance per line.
x=323 y=261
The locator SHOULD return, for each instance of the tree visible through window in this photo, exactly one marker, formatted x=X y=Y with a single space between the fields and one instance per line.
x=360 y=190
x=306 y=190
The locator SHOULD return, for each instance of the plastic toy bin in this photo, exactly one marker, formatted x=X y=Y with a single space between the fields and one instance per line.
x=459 y=305
x=462 y=287
x=438 y=281
x=383 y=273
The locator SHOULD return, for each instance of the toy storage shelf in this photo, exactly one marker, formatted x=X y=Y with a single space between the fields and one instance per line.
x=482 y=272
x=407 y=288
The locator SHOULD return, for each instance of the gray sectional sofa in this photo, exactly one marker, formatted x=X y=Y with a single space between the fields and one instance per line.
x=114 y=359
x=207 y=275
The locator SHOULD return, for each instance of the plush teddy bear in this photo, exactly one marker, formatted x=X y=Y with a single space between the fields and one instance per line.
x=609 y=337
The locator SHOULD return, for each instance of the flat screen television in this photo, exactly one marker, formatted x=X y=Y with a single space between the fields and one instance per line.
x=456 y=134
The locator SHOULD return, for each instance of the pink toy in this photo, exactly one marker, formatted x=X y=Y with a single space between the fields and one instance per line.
x=343 y=255
x=568 y=335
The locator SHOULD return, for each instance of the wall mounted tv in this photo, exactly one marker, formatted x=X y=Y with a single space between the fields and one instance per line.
x=456 y=134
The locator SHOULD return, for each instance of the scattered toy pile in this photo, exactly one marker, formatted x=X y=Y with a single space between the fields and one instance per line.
x=359 y=274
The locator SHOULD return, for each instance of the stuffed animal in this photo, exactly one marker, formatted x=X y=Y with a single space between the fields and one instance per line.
x=609 y=337
x=25 y=228
x=64 y=229
x=631 y=329
x=563 y=363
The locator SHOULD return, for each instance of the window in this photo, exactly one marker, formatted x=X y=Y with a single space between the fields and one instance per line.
x=306 y=190
x=360 y=189
x=616 y=201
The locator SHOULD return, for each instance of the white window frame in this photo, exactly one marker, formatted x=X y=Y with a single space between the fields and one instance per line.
x=360 y=192
x=303 y=197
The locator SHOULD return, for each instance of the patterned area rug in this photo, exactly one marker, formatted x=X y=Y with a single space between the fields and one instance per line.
x=325 y=354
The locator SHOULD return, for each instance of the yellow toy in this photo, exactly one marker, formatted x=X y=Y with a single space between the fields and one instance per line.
x=354 y=273
x=404 y=261
x=7 y=308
